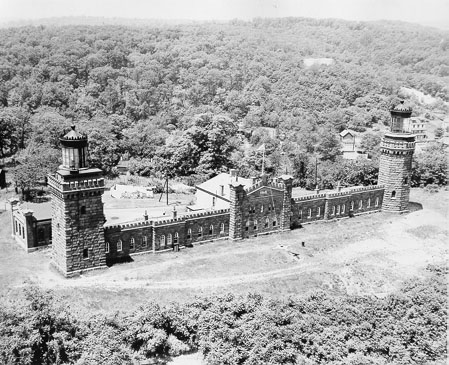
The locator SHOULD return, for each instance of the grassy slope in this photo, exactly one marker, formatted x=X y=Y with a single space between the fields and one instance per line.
x=371 y=254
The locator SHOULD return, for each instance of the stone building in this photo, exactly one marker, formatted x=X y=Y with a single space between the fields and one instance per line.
x=82 y=240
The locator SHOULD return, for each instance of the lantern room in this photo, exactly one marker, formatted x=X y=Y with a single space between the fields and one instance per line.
x=74 y=150
x=400 y=118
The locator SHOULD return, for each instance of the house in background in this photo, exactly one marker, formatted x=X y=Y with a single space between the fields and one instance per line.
x=349 y=149
x=215 y=193
x=418 y=126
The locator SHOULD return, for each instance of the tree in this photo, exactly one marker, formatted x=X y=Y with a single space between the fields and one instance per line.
x=34 y=164
x=430 y=166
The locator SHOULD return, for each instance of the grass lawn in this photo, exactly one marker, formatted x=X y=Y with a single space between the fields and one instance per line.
x=371 y=254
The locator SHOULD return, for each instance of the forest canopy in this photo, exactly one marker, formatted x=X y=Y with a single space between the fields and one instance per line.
x=141 y=91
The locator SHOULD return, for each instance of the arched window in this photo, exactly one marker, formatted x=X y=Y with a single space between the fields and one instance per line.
x=318 y=212
x=309 y=215
x=106 y=247
x=300 y=214
x=211 y=230
x=393 y=194
x=338 y=209
x=131 y=243
x=255 y=224
x=144 y=241
x=222 y=228
x=376 y=203
x=247 y=226
x=200 y=232
x=119 y=245
x=360 y=204
x=176 y=238
x=352 y=205
x=369 y=203
x=189 y=234
x=267 y=222
x=162 y=241
x=333 y=210
x=343 y=208
x=169 y=239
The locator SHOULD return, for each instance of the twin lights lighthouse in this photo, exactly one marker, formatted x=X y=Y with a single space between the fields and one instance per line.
x=77 y=209
x=397 y=148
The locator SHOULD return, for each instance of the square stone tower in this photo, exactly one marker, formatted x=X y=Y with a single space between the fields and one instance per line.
x=77 y=210
x=397 y=148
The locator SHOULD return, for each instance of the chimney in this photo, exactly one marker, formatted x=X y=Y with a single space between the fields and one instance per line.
x=339 y=187
x=175 y=213
x=233 y=173
x=145 y=215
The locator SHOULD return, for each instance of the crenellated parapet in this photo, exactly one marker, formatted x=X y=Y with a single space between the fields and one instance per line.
x=309 y=197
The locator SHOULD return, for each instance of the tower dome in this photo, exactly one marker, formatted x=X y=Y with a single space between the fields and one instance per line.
x=74 y=150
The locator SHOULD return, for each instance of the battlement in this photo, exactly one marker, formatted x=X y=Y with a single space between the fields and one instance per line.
x=136 y=224
x=206 y=214
x=76 y=185
x=350 y=191
x=397 y=145
x=260 y=184
x=309 y=197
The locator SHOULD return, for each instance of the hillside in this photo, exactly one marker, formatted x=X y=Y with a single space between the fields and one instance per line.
x=162 y=93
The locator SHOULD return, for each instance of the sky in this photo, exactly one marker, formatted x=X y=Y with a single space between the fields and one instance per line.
x=429 y=12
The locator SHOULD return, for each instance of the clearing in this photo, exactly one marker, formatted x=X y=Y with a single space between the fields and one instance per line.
x=366 y=255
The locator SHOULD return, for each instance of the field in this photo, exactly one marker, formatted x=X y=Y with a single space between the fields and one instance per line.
x=371 y=254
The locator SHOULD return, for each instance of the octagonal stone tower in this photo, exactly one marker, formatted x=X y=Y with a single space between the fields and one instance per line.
x=397 y=148
x=77 y=210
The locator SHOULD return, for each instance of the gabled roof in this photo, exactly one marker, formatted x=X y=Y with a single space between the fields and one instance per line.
x=212 y=186
x=347 y=131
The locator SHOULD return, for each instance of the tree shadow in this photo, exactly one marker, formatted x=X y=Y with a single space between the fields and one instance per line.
x=414 y=206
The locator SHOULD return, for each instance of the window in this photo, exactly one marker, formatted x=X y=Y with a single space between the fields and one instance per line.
x=213 y=201
x=40 y=234
x=221 y=190
x=261 y=208
x=119 y=245
x=300 y=214
x=393 y=194
x=318 y=212
x=376 y=203
x=405 y=180
x=85 y=253
x=269 y=207
x=222 y=228
x=176 y=238
x=338 y=210
x=162 y=241
x=83 y=210
x=352 y=205
x=360 y=204
x=267 y=222
x=16 y=226
x=254 y=209
x=343 y=208
x=169 y=239
x=369 y=203
x=144 y=241
x=255 y=225
x=333 y=210
x=106 y=247
x=200 y=232
x=309 y=215
x=274 y=222
x=132 y=243
x=247 y=226
x=211 y=230
x=23 y=231
x=189 y=234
